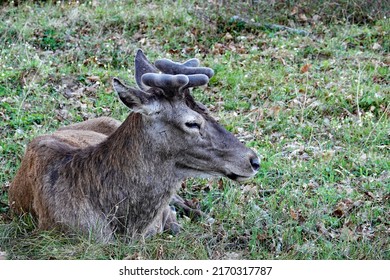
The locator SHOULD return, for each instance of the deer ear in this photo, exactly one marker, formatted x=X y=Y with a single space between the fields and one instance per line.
x=137 y=100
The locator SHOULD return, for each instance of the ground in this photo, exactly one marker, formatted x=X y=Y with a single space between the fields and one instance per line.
x=315 y=108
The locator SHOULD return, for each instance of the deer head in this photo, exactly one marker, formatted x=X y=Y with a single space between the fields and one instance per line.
x=182 y=130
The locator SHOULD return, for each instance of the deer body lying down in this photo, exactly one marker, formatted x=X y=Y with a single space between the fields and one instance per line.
x=103 y=176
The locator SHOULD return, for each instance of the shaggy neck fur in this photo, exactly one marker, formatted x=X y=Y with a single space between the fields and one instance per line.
x=128 y=202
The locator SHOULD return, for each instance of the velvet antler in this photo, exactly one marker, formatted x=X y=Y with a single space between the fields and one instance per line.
x=189 y=67
x=174 y=77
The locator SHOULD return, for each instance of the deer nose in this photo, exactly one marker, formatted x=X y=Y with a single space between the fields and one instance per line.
x=255 y=163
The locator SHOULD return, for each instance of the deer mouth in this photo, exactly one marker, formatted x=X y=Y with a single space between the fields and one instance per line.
x=236 y=177
x=196 y=172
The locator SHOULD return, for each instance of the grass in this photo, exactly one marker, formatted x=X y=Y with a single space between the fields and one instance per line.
x=315 y=108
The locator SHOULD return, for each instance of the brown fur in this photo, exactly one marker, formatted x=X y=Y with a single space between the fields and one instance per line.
x=66 y=197
x=104 y=125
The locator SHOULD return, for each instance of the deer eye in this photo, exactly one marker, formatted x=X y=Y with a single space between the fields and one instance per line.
x=192 y=125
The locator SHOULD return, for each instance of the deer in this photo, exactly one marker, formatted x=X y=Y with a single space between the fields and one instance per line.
x=105 y=177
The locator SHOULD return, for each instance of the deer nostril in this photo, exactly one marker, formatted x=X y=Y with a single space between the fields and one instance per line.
x=255 y=163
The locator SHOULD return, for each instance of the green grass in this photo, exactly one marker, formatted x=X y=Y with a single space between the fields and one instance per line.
x=323 y=135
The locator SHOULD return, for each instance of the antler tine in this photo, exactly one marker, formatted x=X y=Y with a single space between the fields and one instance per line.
x=193 y=62
x=188 y=68
x=175 y=77
x=142 y=66
x=197 y=80
x=173 y=84
x=170 y=84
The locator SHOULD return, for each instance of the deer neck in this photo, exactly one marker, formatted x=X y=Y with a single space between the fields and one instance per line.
x=129 y=178
x=128 y=163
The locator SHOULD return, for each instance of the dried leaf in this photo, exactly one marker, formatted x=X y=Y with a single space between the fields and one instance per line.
x=376 y=47
x=93 y=78
x=135 y=256
x=302 y=17
x=369 y=194
x=366 y=231
x=220 y=184
x=92 y=89
x=69 y=93
x=219 y=48
x=192 y=203
x=342 y=208
x=160 y=252
x=294 y=214
x=328 y=155
x=316 y=18
x=249 y=189
x=338 y=212
x=63 y=114
x=297 y=215
x=274 y=111
x=228 y=36
x=313 y=185
x=305 y=68
x=294 y=11
x=232 y=256
x=262 y=236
